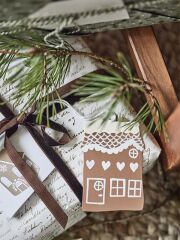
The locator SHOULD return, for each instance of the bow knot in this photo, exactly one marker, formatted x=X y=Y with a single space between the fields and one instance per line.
x=11 y=124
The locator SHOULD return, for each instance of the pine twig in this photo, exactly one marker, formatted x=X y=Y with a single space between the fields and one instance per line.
x=117 y=88
x=32 y=70
x=41 y=69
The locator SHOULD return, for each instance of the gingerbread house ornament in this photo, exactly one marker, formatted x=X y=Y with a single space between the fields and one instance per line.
x=112 y=168
x=10 y=177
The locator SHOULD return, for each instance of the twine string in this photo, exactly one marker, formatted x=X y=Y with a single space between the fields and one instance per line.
x=57 y=33
x=39 y=21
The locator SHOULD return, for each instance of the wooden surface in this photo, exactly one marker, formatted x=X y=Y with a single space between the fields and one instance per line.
x=150 y=66
x=173 y=127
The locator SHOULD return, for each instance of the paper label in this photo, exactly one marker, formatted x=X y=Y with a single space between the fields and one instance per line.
x=112 y=168
x=78 y=6
x=10 y=178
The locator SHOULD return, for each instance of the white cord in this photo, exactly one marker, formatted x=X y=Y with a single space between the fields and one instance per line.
x=56 y=33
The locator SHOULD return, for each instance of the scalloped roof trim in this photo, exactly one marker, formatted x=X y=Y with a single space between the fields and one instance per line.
x=116 y=150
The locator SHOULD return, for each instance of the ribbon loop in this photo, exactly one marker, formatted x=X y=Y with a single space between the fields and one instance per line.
x=31 y=119
x=7 y=124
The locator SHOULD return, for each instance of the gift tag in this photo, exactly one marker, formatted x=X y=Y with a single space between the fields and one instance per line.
x=112 y=168
x=10 y=177
x=96 y=8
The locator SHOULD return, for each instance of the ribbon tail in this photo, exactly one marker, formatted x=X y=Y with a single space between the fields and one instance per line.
x=35 y=183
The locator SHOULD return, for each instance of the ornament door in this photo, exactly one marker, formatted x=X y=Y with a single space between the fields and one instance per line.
x=96 y=188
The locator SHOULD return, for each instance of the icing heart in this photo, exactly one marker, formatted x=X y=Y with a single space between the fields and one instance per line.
x=134 y=166
x=90 y=164
x=106 y=165
x=120 y=166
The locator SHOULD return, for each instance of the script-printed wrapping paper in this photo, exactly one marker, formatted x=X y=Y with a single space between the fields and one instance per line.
x=33 y=220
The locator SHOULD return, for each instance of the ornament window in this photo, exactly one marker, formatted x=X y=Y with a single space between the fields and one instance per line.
x=117 y=187
x=134 y=188
x=98 y=186
x=133 y=153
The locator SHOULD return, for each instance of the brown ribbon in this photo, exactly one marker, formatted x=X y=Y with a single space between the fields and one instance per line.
x=9 y=125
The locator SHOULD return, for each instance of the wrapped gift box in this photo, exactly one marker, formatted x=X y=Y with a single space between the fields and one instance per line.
x=33 y=220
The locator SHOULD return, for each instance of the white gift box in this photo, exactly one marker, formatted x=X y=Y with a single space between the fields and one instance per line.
x=33 y=220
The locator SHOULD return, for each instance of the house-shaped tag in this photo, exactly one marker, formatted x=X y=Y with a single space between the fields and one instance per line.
x=10 y=177
x=112 y=168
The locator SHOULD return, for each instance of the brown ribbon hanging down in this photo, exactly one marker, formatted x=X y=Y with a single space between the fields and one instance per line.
x=9 y=125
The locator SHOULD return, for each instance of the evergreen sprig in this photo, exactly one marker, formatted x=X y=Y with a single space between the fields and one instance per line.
x=33 y=70
x=118 y=87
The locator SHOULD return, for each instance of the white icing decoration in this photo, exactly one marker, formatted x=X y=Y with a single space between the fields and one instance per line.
x=90 y=164
x=120 y=165
x=115 y=150
x=106 y=165
x=134 y=166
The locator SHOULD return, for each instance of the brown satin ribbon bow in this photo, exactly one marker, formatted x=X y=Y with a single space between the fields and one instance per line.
x=9 y=125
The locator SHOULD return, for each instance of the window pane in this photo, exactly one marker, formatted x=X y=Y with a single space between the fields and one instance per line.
x=117 y=187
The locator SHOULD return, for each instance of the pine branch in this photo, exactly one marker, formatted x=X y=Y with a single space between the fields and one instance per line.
x=120 y=88
x=32 y=69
